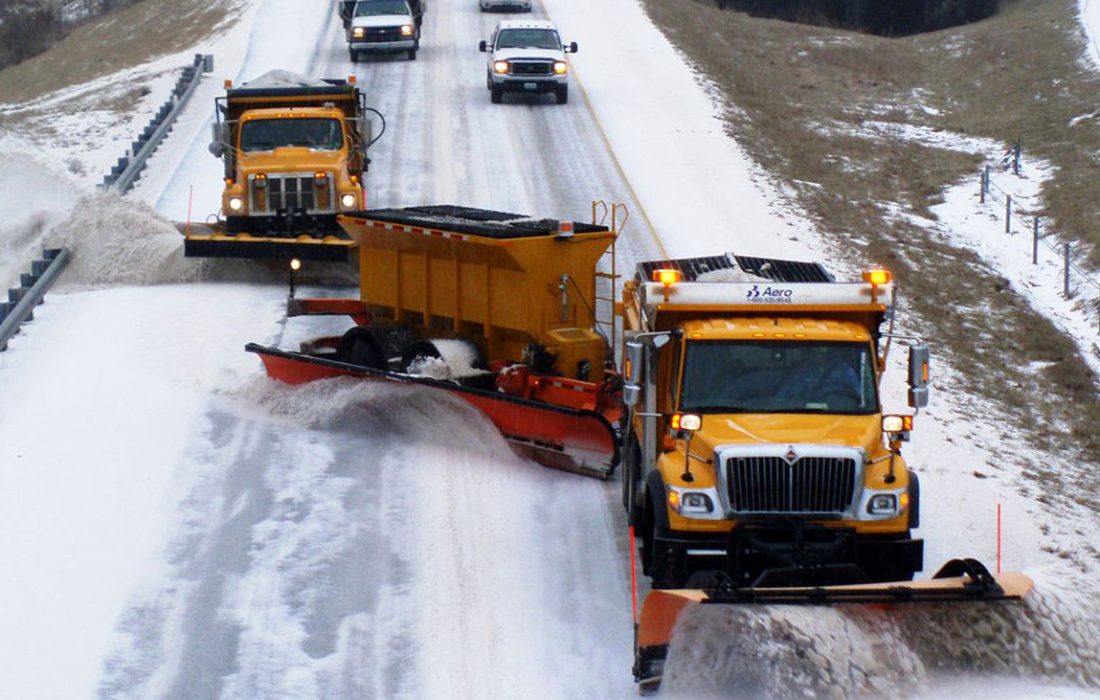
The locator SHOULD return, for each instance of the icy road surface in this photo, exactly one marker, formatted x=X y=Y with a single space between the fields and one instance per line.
x=173 y=525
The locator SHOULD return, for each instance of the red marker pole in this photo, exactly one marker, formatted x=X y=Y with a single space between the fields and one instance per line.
x=998 y=538
x=633 y=582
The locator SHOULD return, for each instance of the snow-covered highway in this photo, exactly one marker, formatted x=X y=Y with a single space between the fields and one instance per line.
x=175 y=525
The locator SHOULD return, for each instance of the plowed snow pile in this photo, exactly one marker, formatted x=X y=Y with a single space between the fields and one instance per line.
x=121 y=241
x=854 y=651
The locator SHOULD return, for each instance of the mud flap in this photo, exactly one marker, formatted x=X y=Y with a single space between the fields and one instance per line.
x=577 y=441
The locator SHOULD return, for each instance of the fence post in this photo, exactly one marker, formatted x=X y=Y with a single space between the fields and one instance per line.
x=1016 y=158
x=1008 y=214
x=1065 y=281
x=985 y=183
x=1035 y=243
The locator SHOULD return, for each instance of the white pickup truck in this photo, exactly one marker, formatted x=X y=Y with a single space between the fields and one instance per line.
x=383 y=25
x=527 y=56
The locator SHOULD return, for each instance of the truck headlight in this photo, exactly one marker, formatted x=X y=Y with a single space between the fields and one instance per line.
x=406 y=30
x=359 y=32
x=236 y=204
x=561 y=67
x=882 y=504
x=347 y=200
x=691 y=503
x=500 y=67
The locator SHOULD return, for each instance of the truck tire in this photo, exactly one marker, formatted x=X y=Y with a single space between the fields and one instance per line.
x=360 y=346
x=496 y=94
x=662 y=563
x=412 y=53
x=354 y=56
x=561 y=93
x=632 y=481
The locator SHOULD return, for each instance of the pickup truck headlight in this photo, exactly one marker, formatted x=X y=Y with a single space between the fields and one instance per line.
x=236 y=204
x=500 y=67
x=407 y=30
x=359 y=32
x=561 y=67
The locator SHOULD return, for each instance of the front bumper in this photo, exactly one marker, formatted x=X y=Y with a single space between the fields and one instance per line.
x=401 y=45
x=530 y=84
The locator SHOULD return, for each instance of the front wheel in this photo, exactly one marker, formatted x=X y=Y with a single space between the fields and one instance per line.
x=412 y=54
x=561 y=93
x=632 y=458
x=496 y=94
x=354 y=56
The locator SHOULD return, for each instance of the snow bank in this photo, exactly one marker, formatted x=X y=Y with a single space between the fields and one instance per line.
x=757 y=651
x=36 y=199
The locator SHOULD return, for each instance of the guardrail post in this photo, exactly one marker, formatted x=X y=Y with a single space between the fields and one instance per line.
x=1035 y=243
x=1008 y=214
x=1065 y=279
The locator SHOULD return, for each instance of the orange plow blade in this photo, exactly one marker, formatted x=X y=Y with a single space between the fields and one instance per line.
x=569 y=439
x=959 y=580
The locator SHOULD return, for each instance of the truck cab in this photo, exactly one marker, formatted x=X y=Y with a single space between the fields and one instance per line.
x=527 y=56
x=295 y=151
x=757 y=452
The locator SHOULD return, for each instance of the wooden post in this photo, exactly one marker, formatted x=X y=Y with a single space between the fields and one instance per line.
x=1065 y=282
x=1035 y=243
x=1008 y=214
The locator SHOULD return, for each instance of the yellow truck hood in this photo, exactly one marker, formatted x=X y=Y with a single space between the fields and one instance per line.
x=291 y=159
x=863 y=431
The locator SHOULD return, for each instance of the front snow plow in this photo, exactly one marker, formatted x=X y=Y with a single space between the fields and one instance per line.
x=497 y=308
x=214 y=241
x=957 y=581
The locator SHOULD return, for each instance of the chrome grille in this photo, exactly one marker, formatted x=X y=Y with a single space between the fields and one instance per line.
x=531 y=68
x=768 y=484
x=383 y=34
x=291 y=192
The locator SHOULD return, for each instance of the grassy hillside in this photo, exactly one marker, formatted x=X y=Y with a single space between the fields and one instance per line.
x=798 y=98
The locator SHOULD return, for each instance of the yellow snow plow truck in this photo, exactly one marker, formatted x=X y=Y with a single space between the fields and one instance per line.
x=295 y=153
x=758 y=464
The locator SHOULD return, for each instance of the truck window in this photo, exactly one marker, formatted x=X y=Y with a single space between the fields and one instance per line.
x=269 y=134
x=376 y=8
x=779 y=377
x=528 y=39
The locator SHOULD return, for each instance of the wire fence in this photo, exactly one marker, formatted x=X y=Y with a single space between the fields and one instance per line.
x=1075 y=278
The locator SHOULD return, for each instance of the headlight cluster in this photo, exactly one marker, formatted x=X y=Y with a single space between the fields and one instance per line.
x=359 y=32
x=236 y=204
x=500 y=67
x=561 y=67
x=883 y=505
x=692 y=503
x=347 y=200
x=407 y=30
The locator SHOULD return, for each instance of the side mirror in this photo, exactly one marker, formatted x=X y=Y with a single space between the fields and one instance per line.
x=483 y=46
x=219 y=135
x=633 y=366
x=572 y=48
x=919 y=357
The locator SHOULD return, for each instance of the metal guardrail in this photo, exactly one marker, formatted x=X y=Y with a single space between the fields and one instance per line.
x=21 y=301
x=129 y=167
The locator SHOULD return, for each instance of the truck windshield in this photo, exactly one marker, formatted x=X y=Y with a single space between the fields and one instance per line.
x=528 y=39
x=375 y=8
x=778 y=377
x=269 y=134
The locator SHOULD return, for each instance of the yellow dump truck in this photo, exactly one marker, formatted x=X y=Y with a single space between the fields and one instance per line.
x=757 y=449
x=758 y=463
x=295 y=153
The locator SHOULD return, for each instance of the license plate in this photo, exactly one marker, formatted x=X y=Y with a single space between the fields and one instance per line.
x=530 y=86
